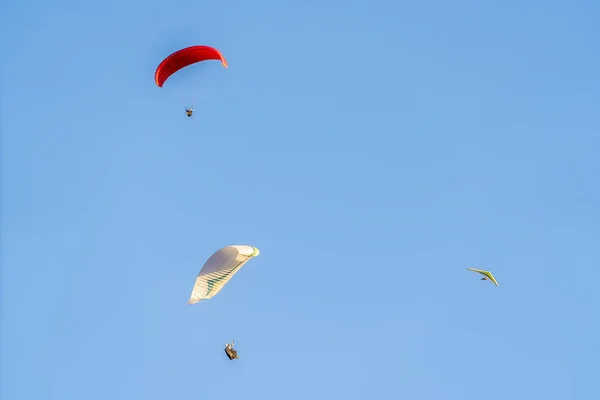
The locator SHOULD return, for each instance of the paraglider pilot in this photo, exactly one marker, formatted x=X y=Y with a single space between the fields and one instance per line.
x=230 y=351
x=189 y=111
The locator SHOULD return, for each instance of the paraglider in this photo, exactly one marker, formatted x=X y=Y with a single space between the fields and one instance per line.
x=486 y=275
x=230 y=351
x=219 y=269
x=182 y=59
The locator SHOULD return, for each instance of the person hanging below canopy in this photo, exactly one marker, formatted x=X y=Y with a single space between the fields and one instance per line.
x=230 y=351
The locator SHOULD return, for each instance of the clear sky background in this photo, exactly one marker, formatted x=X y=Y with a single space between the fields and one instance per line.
x=372 y=150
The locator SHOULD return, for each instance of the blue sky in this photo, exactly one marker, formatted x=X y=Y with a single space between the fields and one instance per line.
x=372 y=150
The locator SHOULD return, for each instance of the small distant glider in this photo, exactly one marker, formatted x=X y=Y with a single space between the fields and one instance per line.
x=486 y=275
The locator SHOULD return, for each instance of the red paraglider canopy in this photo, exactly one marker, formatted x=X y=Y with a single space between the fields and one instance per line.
x=184 y=57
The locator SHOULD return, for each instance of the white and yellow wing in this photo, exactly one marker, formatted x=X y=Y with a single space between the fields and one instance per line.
x=219 y=269
x=485 y=273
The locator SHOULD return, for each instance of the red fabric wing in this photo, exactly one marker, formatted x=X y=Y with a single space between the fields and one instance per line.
x=184 y=57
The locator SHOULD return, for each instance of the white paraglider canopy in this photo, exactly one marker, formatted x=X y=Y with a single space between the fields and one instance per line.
x=219 y=269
